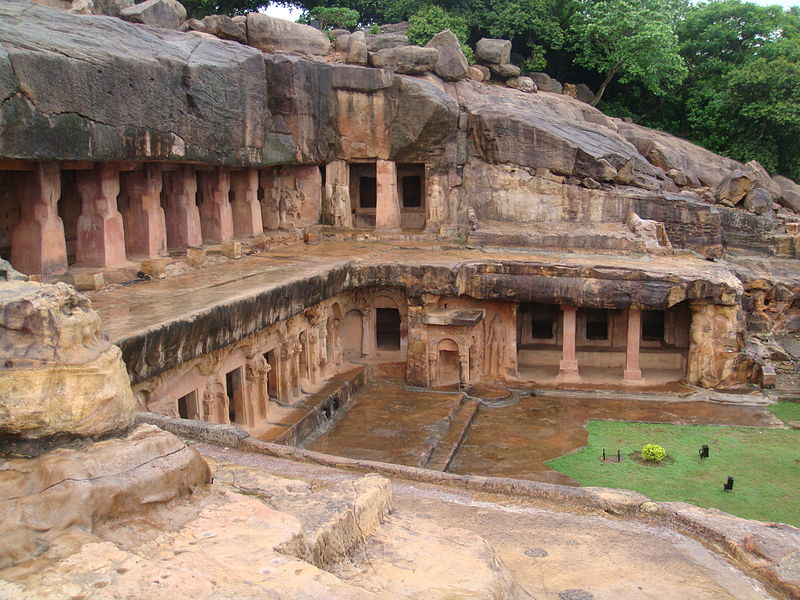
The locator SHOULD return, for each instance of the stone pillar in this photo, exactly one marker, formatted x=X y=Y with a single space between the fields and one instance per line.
x=632 y=370
x=145 y=225
x=182 y=215
x=312 y=355
x=387 y=208
x=245 y=207
x=37 y=241
x=216 y=217
x=297 y=389
x=101 y=234
x=366 y=332
x=568 y=367
x=257 y=390
x=284 y=382
x=337 y=207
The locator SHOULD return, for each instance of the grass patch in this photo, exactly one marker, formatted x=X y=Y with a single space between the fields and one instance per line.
x=787 y=412
x=764 y=462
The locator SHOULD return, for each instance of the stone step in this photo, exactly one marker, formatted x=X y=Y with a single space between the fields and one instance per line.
x=444 y=452
x=335 y=520
x=410 y=556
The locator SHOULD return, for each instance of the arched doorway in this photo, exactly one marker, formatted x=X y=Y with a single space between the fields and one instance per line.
x=449 y=363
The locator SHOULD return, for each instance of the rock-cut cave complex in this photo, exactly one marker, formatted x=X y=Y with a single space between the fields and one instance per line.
x=217 y=232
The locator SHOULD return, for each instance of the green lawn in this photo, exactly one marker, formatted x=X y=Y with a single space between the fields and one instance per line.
x=764 y=462
x=786 y=411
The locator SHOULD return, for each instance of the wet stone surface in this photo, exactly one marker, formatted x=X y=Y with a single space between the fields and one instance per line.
x=516 y=441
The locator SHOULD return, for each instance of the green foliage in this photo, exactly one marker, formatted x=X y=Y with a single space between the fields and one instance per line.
x=335 y=17
x=430 y=20
x=197 y=9
x=653 y=452
x=763 y=461
x=630 y=39
x=788 y=412
x=373 y=29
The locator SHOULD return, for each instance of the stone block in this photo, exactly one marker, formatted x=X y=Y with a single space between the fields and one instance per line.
x=768 y=377
x=196 y=256
x=270 y=34
x=793 y=228
x=166 y=14
x=156 y=268
x=88 y=281
x=232 y=249
x=411 y=60
x=311 y=238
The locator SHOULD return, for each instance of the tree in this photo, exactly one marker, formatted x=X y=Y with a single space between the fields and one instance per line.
x=197 y=9
x=430 y=20
x=335 y=16
x=633 y=40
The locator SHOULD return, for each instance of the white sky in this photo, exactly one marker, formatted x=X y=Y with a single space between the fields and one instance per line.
x=292 y=13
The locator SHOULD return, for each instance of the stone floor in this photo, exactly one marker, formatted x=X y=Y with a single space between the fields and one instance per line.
x=553 y=554
x=390 y=423
x=134 y=309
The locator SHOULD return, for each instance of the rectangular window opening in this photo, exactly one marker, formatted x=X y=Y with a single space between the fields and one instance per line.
x=543 y=319
x=596 y=324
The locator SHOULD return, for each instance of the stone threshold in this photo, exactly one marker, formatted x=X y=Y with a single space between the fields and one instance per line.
x=444 y=452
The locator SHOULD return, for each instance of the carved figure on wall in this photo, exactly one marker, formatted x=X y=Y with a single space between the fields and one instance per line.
x=497 y=346
x=289 y=201
x=215 y=400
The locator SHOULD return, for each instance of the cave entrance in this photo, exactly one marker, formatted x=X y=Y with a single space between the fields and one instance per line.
x=363 y=194
x=234 y=388
x=596 y=324
x=271 y=357
x=189 y=407
x=411 y=190
x=387 y=328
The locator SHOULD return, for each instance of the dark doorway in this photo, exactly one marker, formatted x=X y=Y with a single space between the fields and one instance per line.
x=188 y=407
x=387 y=328
x=235 y=389
x=596 y=324
x=412 y=192
x=653 y=325
x=272 y=377
x=367 y=192
x=543 y=321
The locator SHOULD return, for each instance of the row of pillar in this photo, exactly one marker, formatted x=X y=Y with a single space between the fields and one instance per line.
x=106 y=238
x=568 y=366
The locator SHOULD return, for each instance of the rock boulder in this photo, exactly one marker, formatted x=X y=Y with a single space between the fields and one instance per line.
x=382 y=41
x=59 y=376
x=451 y=65
x=789 y=194
x=492 y=51
x=505 y=70
x=545 y=83
x=167 y=14
x=224 y=28
x=270 y=34
x=523 y=84
x=411 y=60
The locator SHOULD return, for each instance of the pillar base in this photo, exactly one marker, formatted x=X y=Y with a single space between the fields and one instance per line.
x=632 y=376
x=568 y=371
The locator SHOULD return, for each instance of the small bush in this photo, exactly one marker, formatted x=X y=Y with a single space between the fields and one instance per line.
x=654 y=452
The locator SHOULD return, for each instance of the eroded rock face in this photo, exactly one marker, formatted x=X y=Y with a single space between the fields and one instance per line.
x=41 y=498
x=269 y=34
x=59 y=375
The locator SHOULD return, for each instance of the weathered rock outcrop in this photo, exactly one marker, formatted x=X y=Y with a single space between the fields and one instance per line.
x=411 y=60
x=59 y=376
x=270 y=34
x=42 y=498
x=168 y=14
x=451 y=65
